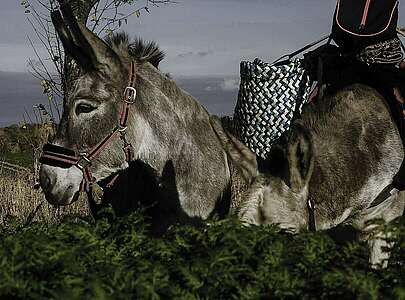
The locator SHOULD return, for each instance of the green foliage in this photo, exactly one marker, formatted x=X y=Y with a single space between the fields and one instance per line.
x=23 y=158
x=17 y=143
x=116 y=258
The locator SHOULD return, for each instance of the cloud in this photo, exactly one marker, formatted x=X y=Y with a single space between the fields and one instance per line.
x=185 y=54
x=195 y=54
x=204 y=53
x=229 y=84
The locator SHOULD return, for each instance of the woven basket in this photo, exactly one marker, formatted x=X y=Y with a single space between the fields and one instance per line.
x=269 y=95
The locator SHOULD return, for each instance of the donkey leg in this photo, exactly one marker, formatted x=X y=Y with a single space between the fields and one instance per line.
x=378 y=247
x=388 y=210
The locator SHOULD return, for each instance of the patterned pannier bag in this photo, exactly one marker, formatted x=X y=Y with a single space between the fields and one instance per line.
x=269 y=97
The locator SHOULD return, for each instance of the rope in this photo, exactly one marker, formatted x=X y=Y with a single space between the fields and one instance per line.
x=288 y=57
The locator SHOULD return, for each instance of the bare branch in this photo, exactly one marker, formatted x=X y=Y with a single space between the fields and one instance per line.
x=39 y=59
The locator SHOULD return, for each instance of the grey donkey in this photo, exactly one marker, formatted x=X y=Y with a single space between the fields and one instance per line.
x=339 y=156
x=170 y=132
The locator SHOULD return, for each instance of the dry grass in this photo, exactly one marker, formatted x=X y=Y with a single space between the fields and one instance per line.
x=19 y=200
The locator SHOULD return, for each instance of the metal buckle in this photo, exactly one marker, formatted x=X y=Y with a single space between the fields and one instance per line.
x=129 y=95
x=121 y=128
x=83 y=162
x=311 y=204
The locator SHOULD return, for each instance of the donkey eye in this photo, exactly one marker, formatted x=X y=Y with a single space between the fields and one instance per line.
x=84 y=108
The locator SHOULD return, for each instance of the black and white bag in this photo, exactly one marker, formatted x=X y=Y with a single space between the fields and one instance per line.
x=269 y=96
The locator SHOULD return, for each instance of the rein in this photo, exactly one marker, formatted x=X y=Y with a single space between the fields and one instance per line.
x=58 y=156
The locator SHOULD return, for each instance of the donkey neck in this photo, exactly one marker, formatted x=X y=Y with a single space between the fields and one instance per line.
x=167 y=118
x=357 y=152
x=171 y=128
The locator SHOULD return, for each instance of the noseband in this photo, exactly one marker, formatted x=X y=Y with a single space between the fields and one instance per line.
x=65 y=158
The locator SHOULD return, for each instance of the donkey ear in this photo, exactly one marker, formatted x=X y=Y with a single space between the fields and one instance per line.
x=242 y=157
x=300 y=156
x=68 y=42
x=85 y=47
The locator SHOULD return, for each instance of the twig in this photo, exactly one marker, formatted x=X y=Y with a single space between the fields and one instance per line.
x=29 y=118
x=31 y=216
x=39 y=58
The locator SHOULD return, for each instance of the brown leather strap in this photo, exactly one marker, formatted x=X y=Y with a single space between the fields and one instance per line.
x=311 y=218
x=60 y=157
x=102 y=145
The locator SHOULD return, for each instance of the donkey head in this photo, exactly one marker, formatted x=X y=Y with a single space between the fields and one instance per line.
x=91 y=110
x=278 y=187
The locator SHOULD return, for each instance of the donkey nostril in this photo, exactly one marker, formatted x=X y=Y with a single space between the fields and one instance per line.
x=70 y=187
x=45 y=181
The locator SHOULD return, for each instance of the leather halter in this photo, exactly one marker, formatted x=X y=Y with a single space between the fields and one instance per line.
x=311 y=215
x=64 y=157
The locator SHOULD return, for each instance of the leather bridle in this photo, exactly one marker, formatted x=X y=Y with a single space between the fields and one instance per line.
x=54 y=155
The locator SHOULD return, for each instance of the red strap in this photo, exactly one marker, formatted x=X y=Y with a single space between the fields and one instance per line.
x=365 y=14
x=124 y=115
x=87 y=182
x=112 y=181
x=100 y=146
x=132 y=75
x=61 y=157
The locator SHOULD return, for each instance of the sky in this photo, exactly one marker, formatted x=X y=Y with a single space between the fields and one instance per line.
x=199 y=37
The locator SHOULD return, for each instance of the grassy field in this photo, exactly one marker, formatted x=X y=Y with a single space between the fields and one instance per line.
x=63 y=253
x=19 y=201
x=20 y=144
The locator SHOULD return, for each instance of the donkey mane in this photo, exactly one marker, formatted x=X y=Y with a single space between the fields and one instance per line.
x=138 y=49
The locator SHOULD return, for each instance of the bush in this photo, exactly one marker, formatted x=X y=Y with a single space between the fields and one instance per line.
x=116 y=258
x=19 y=144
